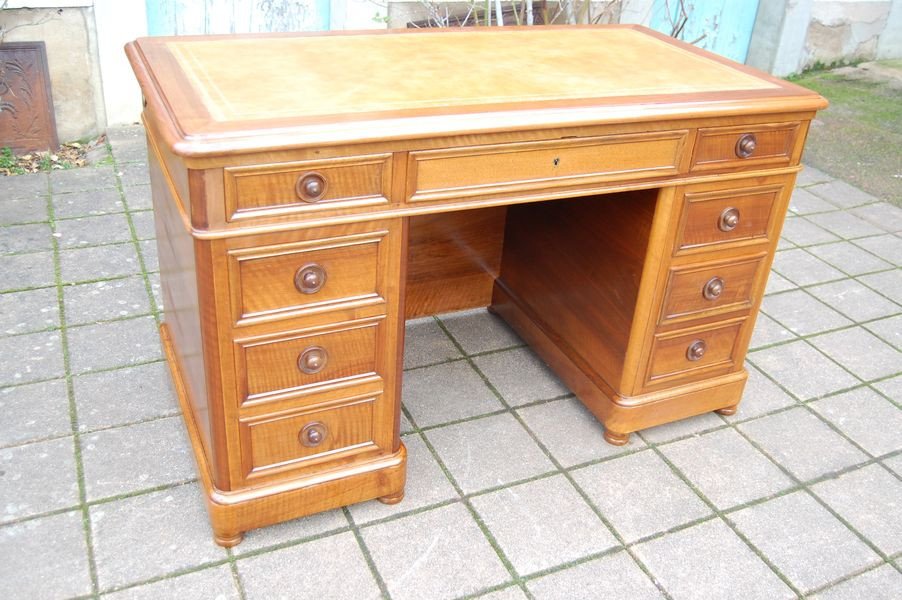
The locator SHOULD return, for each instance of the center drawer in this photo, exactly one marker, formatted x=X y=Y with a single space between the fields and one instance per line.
x=523 y=167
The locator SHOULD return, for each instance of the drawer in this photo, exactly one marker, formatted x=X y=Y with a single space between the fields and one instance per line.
x=297 y=439
x=711 y=288
x=284 y=188
x=523 y=167
x=694 y=354
x=721 y=218
x=286 y=279
x=749 y=146
x=305 y=362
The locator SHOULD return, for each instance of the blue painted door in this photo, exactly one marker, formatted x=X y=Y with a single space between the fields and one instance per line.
x=721 y=26
x=185 y=17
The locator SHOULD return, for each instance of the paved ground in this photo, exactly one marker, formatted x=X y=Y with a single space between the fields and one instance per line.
x=798 y=495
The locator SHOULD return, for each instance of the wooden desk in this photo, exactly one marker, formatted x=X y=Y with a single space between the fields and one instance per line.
x=614 y=195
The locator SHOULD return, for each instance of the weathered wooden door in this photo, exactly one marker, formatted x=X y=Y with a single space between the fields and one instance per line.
x=721 y=26
x=181 y=17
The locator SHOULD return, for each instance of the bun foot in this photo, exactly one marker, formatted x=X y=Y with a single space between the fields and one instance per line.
x=228 y=540
x=392 y=499
x=616 y=439
x=727 y=411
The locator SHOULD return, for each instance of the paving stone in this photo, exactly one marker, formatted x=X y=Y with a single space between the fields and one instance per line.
x=682 y=428
x=24 y=271
x=29 y=311
x=45 y=558
x=446 y=392
x=608 y=578
x=802 y=370
x=472 y=454
x=124 y=396
x=882 y=583
x=426 y=485
x=867 y=418
x=844 y=224
x=149 y=255
x=802 y=314
x=784 y=244
x=710 y=561
x=882 y=215
x=425 y=343
x=861 y=352
x=890 y=330
x=406 y=426
x=31 y=357
x=144 y=224
x=135 y=173
x=443 y=555
x=99 y=262
x=768 y=332
x=803 y=268
x=776 y=283
x=542 y=524
x=887 y=247
x=571 y=433
x=802 y=443
x=479 y=331
x=841 y=194
x=894 y=464
x=804 y=202
x=849 y=258
x=868 y=499
x=156 y=289
x=810 y=175
x=803 y=540
x=79 y=180
x=27 y=185
x=509 y=593
x=113 y=344
x=35 y=237
x=15 y=211
x=88 y=203
x=92 y=231
x=289 y=531
x=131 y=544
x=216 y=582
x=804 y=233
x=888 y=283
x=34 y=411
x=138 y=197
x=855 y=300
x=520 y=376
x=640 y=495
x=37 y=478
x=332 y=567
x=105 y=300
x=760 y=397
x=726 y=468
x=135 y=457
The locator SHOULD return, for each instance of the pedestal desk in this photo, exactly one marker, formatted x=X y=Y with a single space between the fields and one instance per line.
x=614 y=195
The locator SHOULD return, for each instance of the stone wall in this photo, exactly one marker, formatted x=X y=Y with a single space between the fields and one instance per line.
x=844 y=31
x=71 y=40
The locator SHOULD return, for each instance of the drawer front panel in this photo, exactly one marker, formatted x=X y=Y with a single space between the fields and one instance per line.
x=723 y=218
x=690 y=355
x=511 y=168
x=291 y=278
x=297 y=439
x=710 y=289
x=306 y=361
x=721 y=148
x=271 y=190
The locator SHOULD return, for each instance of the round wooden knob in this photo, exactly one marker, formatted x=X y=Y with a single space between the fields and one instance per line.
x=310 y=187
x=313 y=434
x=696 y=350
x=746 y=145
x=313 y=360
x=310 y=279
x=729 y=219
x=713 y=289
